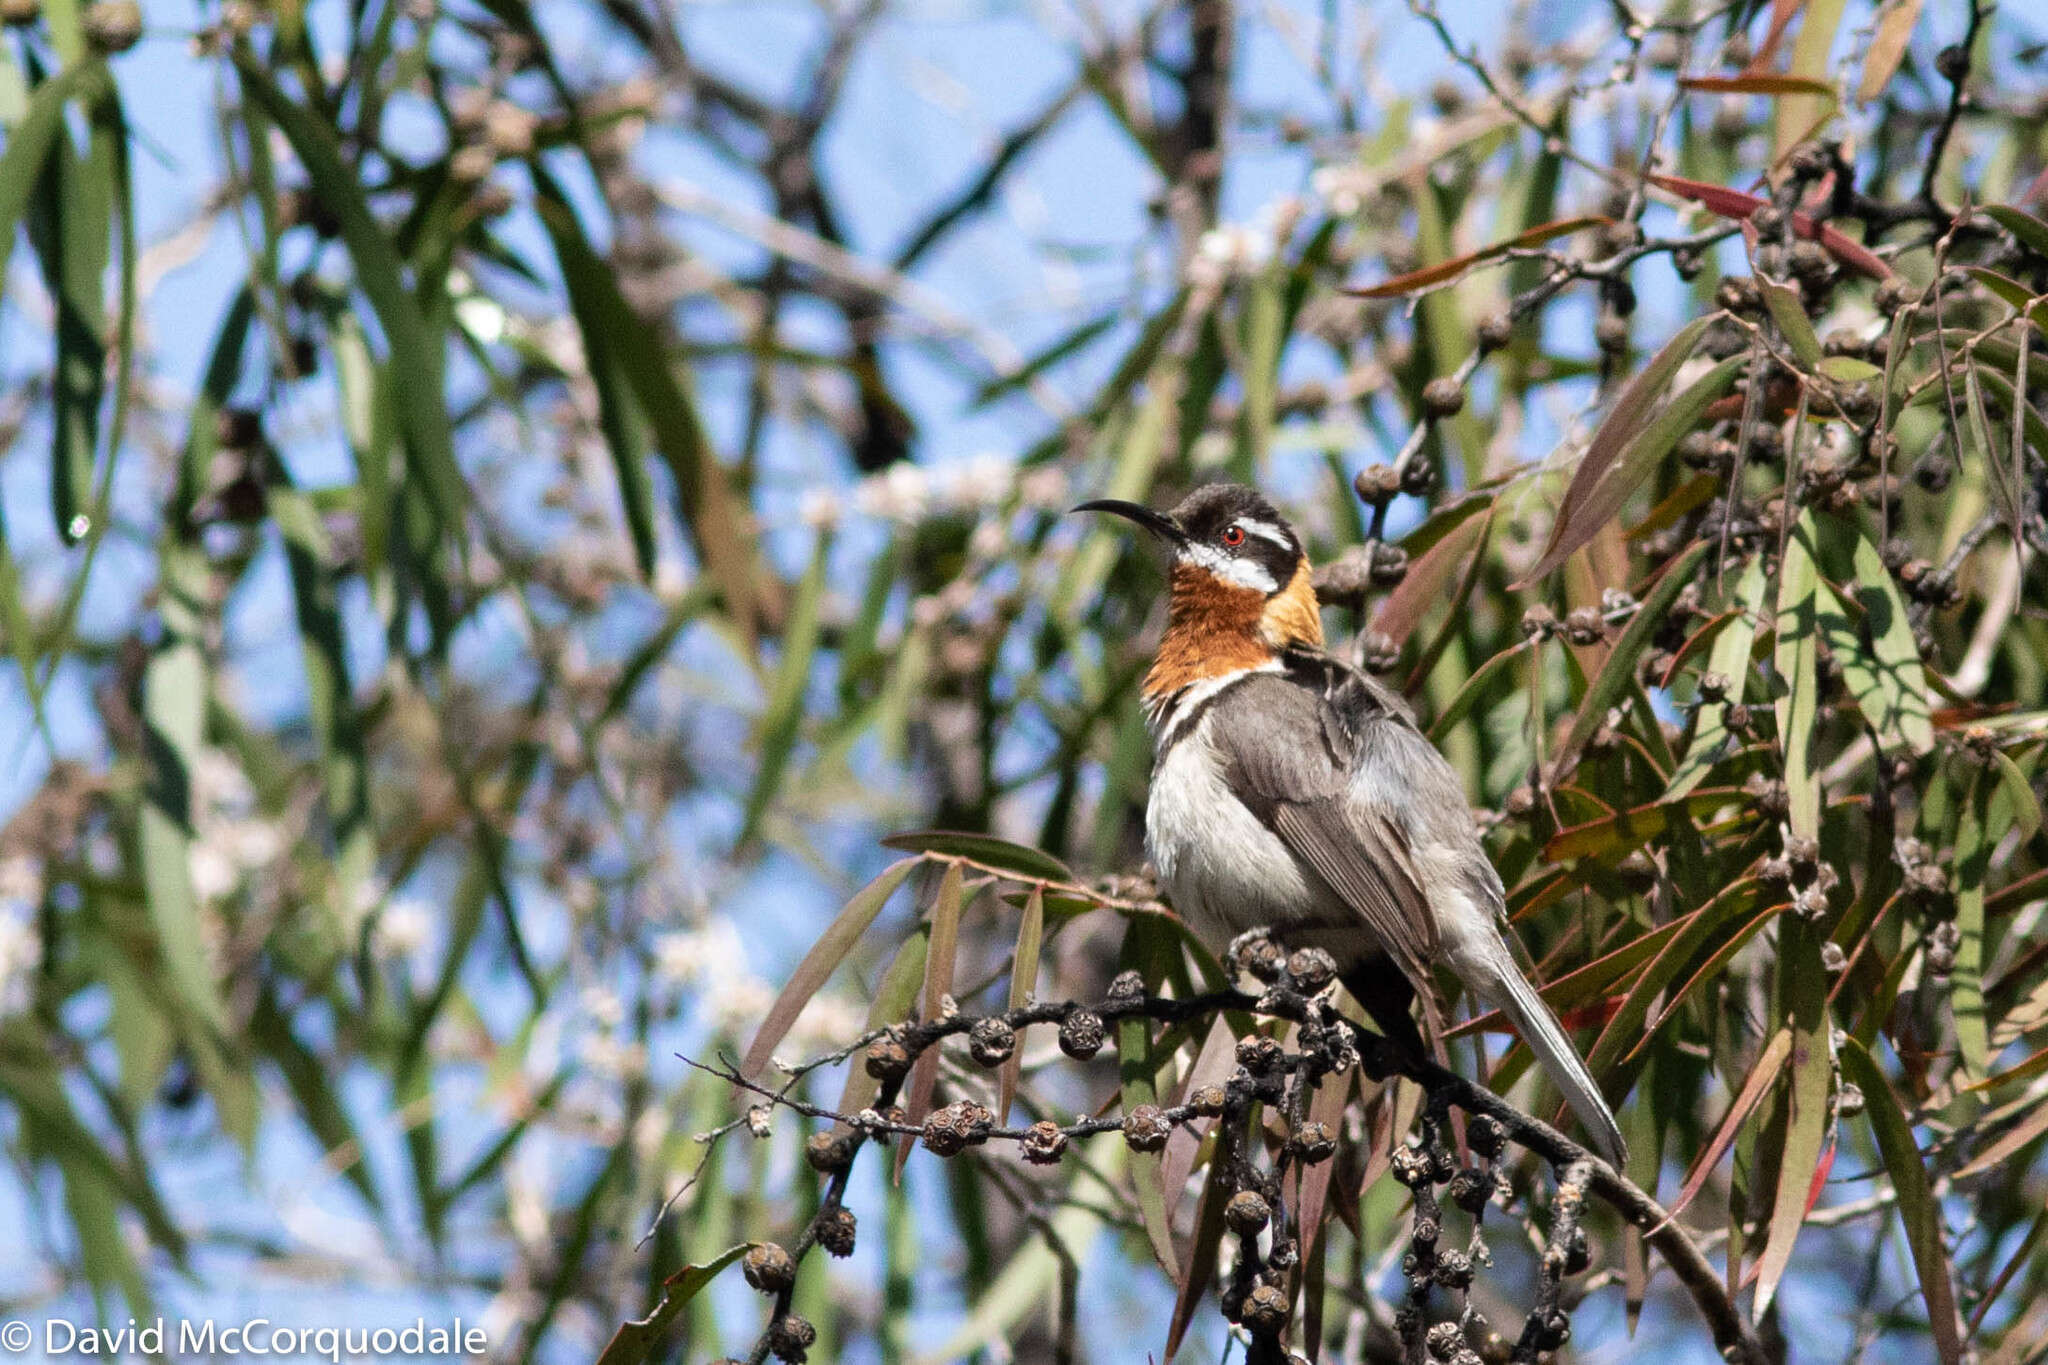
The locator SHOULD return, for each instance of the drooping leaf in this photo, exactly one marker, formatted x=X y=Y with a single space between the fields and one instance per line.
x=1758 y=84
x=638 y=1340
x=1618 y=673
x=1029 y=863
x=1023 y=982
x=1809 y=1081
x=1630 y=445
x=822 y=960
x=1149 y=948
x=1918 y=1207
x=1730 y=659
x=1887 y=47
x=940 y=960
x=1410 y=281
x=1798 y=632
x=1731 y=203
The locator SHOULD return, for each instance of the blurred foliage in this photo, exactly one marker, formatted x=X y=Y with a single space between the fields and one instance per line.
x=1700 y=420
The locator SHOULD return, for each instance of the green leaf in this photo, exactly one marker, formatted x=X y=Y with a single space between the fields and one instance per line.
x=716 y=516
x=1918 y=1207
x=2030 y=231
x=2019 y=794
x=1880 y=663
x=822 y=960
x=1975 y=841
x=940 y=960
x=1790 y=315
x=586 y=277
x=1729 y=658
x=1023 y=983
x=1027 y=863
x=636 y=1341
x=1802 y=994
x=782 y=718
x=895 y=999
x=415 y=348
x=1149 y=948
x=1797 y=658
x=1617 y=675
x=29 y=143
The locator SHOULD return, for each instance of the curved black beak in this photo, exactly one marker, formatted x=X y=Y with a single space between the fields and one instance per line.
x=1158 y=523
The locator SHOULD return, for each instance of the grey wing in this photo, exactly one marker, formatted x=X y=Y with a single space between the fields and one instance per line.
x=1287 y=757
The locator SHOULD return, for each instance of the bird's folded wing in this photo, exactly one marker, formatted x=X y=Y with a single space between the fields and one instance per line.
x=1365 y=861
x=1279 y=745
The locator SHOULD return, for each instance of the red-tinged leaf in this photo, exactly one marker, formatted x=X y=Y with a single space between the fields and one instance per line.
x=1758 y=84
x=2025 y=1133
x=1312 y=1183
x=1023 y=981
x=1449 y=270
x=1423 y=585
x=638 y=1340
x=1768 y=1064
x=1150 y=949
x=938 y=984
x=1630 y=829
x=824 y=958
x=1918 y=1207
x=1702 y=928
x=1617 y=462
x=1201 y=1260
x=1454 y=619
x=1887 y=48
x=1782 y=13
x=1731 y=203
x=1695 y=492
x=2026 y=1070
x=1213 y=1065
x=1708 y=971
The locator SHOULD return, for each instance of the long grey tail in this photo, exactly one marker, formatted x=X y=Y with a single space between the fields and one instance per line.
x=1538 y=1025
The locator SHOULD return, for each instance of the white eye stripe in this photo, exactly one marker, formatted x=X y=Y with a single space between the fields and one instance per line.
x=1265 y=530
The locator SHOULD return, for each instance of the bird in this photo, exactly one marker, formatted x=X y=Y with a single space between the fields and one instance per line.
x=1292 y=792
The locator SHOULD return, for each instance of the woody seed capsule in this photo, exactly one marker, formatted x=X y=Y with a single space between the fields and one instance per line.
x=1247 y=1213
x=1044 y=1143
x=1081 y=1035
x=1146 y=1128
x=768 y=1268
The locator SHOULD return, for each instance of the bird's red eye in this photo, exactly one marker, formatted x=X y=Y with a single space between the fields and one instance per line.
x=1233 y=536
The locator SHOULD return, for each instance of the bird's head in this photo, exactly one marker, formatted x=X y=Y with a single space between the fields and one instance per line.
x=1240 y=581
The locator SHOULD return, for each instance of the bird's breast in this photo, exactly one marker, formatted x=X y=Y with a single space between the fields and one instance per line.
x=1224 y=871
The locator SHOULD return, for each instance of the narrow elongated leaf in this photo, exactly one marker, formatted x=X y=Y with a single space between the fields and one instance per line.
x=1730 y=659
x=1442 y=271
x=1731 y=203
x=1763 y=84
x=1149 y=948
x=638 y=1340
x=986 y=849
x=586 y=277
x=1885 y=674
x=822 y=960
x=1887 y=47
x=414 y=346
x=940 y=960
x=782 y=717
x=1798 y=632
x=1803 y=993
x=2030 y=231
x=1023 y=982
x=1618 y=673
x=29 y=143
x=1800 y=116
x=1918 y=1208
x=1762 y=1075
x=1974 y=844
x=895 y=999
x=1790 y=315
x=1423 y=585
x=1200 y=1268
x=1612 y=470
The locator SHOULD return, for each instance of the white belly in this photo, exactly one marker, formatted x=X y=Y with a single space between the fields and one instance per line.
x=1223 y=870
